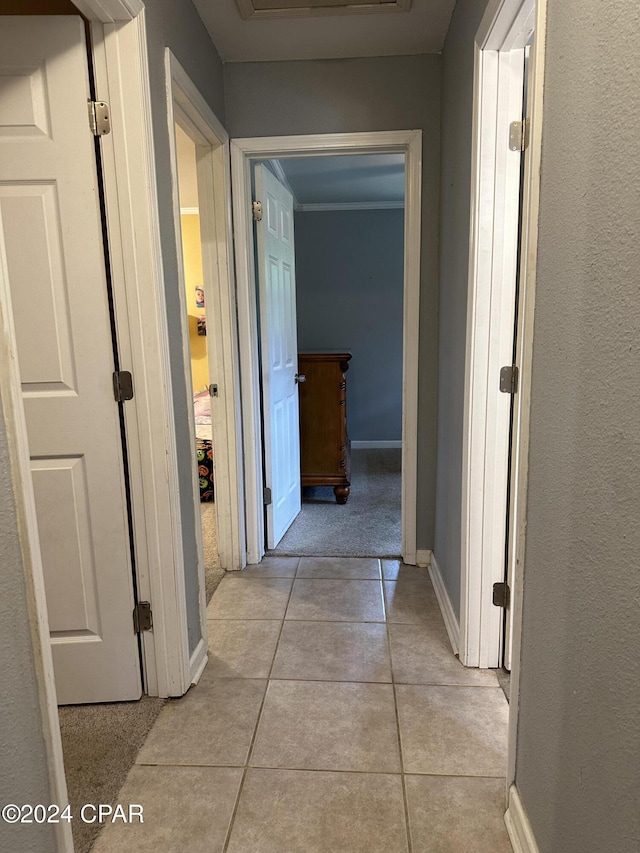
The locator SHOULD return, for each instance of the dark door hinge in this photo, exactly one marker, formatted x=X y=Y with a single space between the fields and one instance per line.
x=501 y=594
x=267 y=496
x=122 y=386
x=509 y=379
x=142 y=617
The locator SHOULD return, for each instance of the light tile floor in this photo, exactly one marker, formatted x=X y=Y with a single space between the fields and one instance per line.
x=332 y=716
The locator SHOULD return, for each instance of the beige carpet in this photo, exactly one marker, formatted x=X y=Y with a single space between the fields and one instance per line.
x=368 y=525
x=100 y=742
x=213 y=574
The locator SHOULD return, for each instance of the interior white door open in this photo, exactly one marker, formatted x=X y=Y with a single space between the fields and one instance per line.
x=279 y=353
x=53 y=281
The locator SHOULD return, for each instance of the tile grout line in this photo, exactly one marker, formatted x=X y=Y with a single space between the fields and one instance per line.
x=255 y=730
x=395 y=705
x=320 y=770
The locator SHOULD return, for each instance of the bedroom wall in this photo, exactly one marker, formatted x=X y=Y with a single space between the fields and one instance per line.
x=350 y=288
x=192 y=258
x=383 y=93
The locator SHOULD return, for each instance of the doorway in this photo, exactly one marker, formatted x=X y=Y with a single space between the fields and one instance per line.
x=347 y=278
x=197 y=367
x=245 y=153
x=201 y=207
x=500 y=173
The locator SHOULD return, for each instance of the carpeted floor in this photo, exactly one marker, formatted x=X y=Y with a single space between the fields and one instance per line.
x=100 y=742
x=368 y=525
x=212 y=572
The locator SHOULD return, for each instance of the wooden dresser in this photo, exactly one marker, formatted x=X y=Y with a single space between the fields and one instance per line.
x=325 y=449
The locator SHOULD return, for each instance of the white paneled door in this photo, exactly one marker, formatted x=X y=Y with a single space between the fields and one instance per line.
x=279 y=353
x=53 y=275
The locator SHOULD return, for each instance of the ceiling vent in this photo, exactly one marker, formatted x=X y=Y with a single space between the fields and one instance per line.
x=307 y=8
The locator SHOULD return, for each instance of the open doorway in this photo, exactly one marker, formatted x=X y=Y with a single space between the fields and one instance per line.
x=260 y=473
x=345 y=267
x=197 y=367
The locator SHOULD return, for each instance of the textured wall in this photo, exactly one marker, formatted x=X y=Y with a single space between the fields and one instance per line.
x=177 y=25
x=578 y=757
x=457 y=118
x=350 y=287
x=24 y=777
x=332 y=96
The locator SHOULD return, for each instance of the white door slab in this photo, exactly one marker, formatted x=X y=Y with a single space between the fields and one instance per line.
x=52 y=260
x=279 y=351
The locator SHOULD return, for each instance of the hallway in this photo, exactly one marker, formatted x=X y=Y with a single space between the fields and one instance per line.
x=332 y=716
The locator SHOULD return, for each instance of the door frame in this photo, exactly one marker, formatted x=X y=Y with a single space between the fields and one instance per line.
x=187 y=107
x=524 y=358
x=243 y=152
x=495 y=192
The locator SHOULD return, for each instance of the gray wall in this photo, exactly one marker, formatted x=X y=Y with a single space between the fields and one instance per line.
x=330 y=96
x=350 y=287
x=578 y=757
x=457 y=116
x=176 y=24
x=22 y=751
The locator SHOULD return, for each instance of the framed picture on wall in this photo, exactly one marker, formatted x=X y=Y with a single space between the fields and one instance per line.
x=199 y=296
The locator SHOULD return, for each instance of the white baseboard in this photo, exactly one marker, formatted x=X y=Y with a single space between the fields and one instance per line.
x=518 y=826
x=423 y=558
x=370 y=445
x=448 y=613
x=198 y=661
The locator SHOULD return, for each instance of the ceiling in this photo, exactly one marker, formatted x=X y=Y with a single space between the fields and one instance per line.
x=344 y=182
x=420 y=30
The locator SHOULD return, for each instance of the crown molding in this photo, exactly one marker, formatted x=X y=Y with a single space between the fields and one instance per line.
x=351 y=205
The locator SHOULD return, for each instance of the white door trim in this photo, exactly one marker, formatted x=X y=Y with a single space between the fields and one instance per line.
x=499 y=81
x=214 y=187
x=520 y=441
x=122 y=78
x=187 y=107
x=243 y=151
x=109 y=11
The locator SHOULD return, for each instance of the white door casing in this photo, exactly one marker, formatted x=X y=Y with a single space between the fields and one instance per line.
x=58 y=294
x=244 y=152
x=495 y=192
x=278 y=334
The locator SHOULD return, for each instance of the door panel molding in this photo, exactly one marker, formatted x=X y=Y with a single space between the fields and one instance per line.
x=243 y=151
x=278 y=333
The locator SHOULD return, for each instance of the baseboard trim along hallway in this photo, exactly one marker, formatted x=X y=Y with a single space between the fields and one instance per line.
x=518 y=826
x=448 y=613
